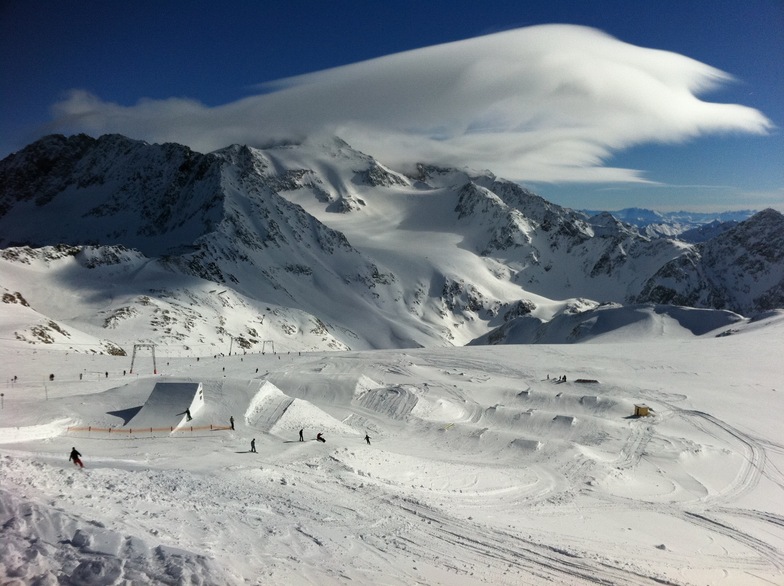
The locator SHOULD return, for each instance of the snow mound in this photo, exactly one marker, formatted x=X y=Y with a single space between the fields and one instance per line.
x=439 y=410
x=527 y=445
x=394 y=402
x=273 y=411
x=9 y=435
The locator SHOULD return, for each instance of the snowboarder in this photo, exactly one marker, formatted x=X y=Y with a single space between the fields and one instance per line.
x=188 y=414
x=367 y=439
x=300 y=435
x=321 y=439
x=253 y=445
x=231 y=421
x=76 y=457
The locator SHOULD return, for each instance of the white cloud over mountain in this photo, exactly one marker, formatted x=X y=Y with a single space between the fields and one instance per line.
x=544 y=103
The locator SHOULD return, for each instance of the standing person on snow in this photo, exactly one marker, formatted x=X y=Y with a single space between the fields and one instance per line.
x=231 y=421
x=76 y=457
x=253 y=445
x=367 y=438
x=300 y=435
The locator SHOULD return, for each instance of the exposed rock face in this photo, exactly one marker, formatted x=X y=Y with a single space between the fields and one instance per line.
x=741 y=269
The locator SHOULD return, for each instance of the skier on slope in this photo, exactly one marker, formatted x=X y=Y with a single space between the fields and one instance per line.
x=76 y=457
x=367 y=438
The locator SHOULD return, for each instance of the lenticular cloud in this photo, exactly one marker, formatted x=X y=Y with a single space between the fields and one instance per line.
x=545 y=103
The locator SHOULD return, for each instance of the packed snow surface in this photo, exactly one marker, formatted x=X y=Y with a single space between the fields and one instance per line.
x=484 y=466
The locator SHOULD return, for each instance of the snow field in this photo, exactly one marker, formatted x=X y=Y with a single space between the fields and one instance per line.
x=481 y=469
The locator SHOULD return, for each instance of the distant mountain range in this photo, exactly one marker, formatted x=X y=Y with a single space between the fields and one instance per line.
x=315 y=245
x=687 y=226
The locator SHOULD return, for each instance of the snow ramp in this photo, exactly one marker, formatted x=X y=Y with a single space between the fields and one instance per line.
x=273 y=411
x=324 y=388
x=166 y=405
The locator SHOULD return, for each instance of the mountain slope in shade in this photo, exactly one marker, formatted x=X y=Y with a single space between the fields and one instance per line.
x=611 y=322
x=346 y=253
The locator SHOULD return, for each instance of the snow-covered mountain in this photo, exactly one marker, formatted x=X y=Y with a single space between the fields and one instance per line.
x=318 y=246
x=740 y=269
x=687 y=226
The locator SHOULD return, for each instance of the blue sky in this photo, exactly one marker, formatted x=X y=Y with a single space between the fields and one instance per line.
x=157 y=70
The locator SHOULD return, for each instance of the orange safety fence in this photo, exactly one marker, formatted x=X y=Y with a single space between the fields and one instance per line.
x=133 y=430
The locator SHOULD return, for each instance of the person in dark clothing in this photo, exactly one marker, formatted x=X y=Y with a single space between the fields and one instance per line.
x=367 y=439
x=188 y=414
x=253 y=445
x=231 y=421
x=321 y=439
x=76 y=457
x=300 y=435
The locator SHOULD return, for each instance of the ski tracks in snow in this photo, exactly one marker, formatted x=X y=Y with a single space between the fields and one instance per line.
x=747 y=479
x=712 y=511
x=492 y=556
x=753 y=454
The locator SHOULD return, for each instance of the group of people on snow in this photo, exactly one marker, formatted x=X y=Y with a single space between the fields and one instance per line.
x=76 y=457
x=319 y=438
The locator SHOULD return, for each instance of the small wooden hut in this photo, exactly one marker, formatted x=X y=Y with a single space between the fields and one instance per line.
x=641 y=410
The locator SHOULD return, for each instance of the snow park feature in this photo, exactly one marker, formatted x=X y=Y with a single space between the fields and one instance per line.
x=168 y=406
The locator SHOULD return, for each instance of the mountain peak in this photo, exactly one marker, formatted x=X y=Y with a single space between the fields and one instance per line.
x=442 y=257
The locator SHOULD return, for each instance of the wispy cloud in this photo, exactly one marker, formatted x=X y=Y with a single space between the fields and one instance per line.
x=544 y=103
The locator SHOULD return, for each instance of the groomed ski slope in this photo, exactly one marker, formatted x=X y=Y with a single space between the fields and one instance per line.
x=483 y=468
